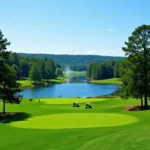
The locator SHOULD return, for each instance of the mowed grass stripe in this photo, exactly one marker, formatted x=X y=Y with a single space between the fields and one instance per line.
x=69 y=100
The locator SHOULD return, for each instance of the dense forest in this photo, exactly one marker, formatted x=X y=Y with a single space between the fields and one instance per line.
x=103 y=70
x=38 y=68
x=34 y=68
x=74 y=62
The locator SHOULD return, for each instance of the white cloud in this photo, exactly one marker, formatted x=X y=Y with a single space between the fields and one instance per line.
x=109 y=30
x=93 y=53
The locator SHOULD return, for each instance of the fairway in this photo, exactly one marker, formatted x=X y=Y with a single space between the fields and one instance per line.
x=75 y=120
x=69 y=100
x=45 y=126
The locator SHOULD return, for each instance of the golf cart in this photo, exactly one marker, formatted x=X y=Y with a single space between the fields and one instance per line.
x=88 y=106
x=75 y=104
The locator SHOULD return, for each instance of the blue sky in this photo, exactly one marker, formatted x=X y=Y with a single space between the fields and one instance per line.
x=71 y=26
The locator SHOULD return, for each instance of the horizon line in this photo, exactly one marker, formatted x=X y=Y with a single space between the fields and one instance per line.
x=68 y=54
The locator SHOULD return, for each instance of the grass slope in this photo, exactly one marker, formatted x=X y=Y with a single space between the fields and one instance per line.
x=127 y=137
x=106 y=81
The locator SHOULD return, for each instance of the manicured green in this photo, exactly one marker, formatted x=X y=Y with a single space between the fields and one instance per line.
x=125 y=137
x=106 y=81
x=75 y=120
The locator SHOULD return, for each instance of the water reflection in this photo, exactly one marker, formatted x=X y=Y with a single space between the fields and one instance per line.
x=77 y=79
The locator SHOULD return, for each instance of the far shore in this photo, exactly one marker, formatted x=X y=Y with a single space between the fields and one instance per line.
x=106 y=81
x=27 y=83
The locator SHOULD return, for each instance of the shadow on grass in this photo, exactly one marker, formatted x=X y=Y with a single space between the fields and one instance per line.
x=10 y=117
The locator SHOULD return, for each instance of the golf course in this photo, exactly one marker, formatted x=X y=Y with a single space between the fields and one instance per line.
x=52 y=123
x=74 y=75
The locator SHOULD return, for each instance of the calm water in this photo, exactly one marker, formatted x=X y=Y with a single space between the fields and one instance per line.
x=75 y=87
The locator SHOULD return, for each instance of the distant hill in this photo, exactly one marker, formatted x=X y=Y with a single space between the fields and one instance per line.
x=75 y=62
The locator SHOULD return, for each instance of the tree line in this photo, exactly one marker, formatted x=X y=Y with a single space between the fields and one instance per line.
x=74 y=62
x=103 y=70
x=34 y=68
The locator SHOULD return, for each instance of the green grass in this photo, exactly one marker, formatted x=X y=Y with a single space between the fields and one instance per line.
x=78 y=72
x=69 y=100
x=26 y=83
x=58 y=80
x=29 y=83
x=75 y=120
x=106 y=81
x=125 y=137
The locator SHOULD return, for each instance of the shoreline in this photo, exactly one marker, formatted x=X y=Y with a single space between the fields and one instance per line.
x=29 y=84
x=106 y=81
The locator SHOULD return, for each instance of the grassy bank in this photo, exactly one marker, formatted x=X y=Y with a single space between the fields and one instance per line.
x=106 y=81
x=78 y=72
x=58 y=80
x=29 y=83
x=18 y=135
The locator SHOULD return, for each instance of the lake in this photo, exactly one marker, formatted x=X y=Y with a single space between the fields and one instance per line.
x=74 y=87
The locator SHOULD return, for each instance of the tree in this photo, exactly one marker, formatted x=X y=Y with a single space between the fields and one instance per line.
x=49 y=69
x=24 y=68
x=89 y=71
x=41 y=66
x=59 y=72
x=138 y=51
x=48 y=72
x=9 y=87
x=8 y=84
x=132 y=85
x=53 y=68
x=15 y=68
x=58 y=66
x=35 y=74
x=116 y=70
x=94 y=71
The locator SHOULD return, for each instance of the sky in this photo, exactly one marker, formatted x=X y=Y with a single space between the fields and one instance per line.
x=98 y=27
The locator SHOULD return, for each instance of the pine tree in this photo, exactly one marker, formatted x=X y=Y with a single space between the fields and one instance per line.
x=138 y=51
x=59 y=72
x=35 y=74
x=8 y=84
